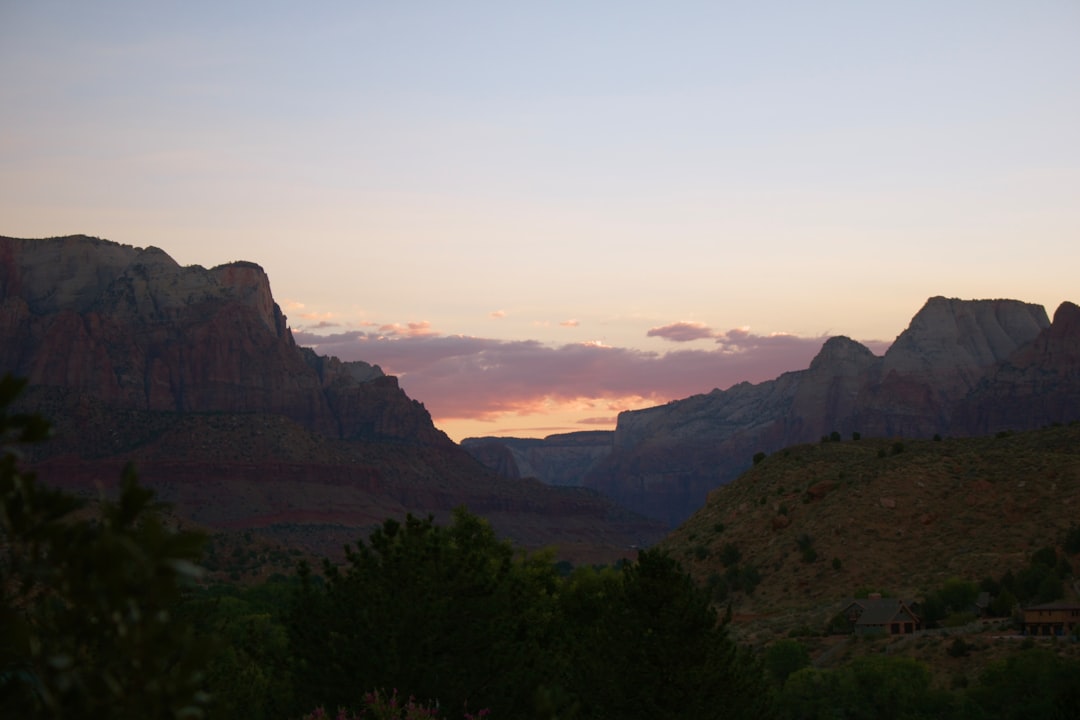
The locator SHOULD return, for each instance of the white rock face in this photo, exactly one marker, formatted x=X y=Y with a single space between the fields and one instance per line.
x=960 y=337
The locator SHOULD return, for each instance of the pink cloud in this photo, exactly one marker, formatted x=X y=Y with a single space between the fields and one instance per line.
x=413 y=329
x=459 y=376
x=498 y=314
x=682 y=332
x=569 y=323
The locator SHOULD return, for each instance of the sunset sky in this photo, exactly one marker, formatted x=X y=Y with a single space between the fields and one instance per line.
x=537 y=214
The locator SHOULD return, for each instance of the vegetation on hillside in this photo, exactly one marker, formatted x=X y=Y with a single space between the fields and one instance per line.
x=819 y=522
x=105 y=614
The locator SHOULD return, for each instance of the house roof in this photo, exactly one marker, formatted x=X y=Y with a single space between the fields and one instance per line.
x=881 y=611
x=1058 y=605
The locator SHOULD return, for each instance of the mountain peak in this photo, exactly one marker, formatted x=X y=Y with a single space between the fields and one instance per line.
x=842 y=351
x=954 y=336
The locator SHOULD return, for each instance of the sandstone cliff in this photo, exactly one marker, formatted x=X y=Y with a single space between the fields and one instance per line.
x=130 y=327
x=193 y=374
x=962 y=367
x=562 y=459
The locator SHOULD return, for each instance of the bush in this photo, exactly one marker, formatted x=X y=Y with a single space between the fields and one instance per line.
x=806 y=547
x=379 y=706
x=958 y=619
x=959 y=648
x=783 y=658
x=88 y=614
x=730 y=554
x=1072 y=540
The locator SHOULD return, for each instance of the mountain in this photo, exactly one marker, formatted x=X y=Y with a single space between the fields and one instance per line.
x=562 y=459
x=962 y=367
x=194 y=374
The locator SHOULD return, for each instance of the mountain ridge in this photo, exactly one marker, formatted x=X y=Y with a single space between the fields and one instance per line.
x=962 y=367
x=133 y=357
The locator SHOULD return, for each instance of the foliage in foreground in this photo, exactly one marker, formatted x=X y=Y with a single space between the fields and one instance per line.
x=452 y=613
x=380 y=706
x=87 y=624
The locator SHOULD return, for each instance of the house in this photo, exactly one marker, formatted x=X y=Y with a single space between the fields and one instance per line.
x=1056 y=618
x=878 y=615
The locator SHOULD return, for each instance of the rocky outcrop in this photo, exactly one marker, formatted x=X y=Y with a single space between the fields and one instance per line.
x=950 y=346
x=1038 y=384
x=194 y=375
x=960 y=368
x=561 y=459
x=130 y=327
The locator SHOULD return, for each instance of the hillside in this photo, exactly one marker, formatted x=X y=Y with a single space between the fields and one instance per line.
x=897 y=515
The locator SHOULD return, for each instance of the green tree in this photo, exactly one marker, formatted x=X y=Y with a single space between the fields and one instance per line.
x=959 y=595
x=436 y=612
x=1033 y=683
x=249 y=674
x=875 y=687
x=88 y=613
x=785 y=657
x=657 y=651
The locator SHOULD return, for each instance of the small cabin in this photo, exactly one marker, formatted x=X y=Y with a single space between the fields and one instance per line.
x=876 y=615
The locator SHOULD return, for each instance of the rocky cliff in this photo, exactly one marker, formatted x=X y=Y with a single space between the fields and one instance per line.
x=962 y=367
x=562 y=459
x=194 y=373
x=130 y=327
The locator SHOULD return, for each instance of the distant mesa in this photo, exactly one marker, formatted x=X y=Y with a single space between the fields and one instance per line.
x=563 y=459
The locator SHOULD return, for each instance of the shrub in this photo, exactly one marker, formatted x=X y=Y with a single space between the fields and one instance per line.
x=784 y=657
x=958 y=648
x=958 y=619
x=1072 y=540
x=379 y=706
x=730 y=554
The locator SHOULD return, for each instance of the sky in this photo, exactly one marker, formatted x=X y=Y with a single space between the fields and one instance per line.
x=538 y=214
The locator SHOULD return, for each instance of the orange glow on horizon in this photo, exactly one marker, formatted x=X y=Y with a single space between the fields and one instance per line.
x=545 y=416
